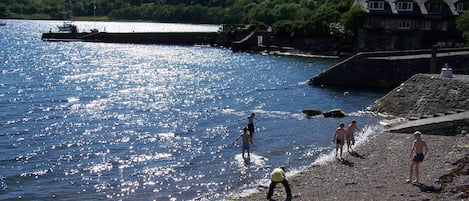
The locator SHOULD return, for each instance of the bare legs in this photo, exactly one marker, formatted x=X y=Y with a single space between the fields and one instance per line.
x=337 y=147
x=413 y=167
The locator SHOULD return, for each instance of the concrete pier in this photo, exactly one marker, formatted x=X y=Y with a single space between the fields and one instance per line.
x=386 y=70
x=430 y=103
x=173 y=38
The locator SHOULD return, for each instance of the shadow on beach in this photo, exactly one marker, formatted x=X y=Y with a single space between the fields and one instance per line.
x=287 y=199
x=428 y=189
x=347 y=163
x=356 y=154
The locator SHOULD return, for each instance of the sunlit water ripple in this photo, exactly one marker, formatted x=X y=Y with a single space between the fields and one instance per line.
x=95 y=121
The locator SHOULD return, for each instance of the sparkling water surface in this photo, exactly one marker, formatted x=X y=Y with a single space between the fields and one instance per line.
x=99 y=121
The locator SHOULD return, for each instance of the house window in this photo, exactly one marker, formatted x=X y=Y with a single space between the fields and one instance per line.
x=384 y=24
x=427 y=25
x=434 y=7
x=442 y=26
x=404 y=24
x=367 y=23
x=405 y=6
x=462 y=7
x=375 y=5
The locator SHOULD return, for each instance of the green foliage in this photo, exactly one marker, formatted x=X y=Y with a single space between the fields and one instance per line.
x=256 y=26
x=352 y=17
x=462 y=24
x=288 y=18
x=3 y=10
x=292 y=29
x=323 y=17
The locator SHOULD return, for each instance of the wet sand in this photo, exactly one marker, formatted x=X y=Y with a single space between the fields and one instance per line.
x=378 y=170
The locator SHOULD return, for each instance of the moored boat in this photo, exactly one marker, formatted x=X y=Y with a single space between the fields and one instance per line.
x=67 y=27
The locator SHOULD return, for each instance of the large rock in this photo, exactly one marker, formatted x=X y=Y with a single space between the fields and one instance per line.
x=335 y=113
x=312 y=112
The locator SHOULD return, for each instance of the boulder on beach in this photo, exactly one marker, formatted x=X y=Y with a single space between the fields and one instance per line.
x=312 y=112
x=335 y=113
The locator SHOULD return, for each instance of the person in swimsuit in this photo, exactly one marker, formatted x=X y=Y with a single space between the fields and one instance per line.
x=250 y=119
x=339 y=137
x=246 y=140
x=350 y=138
x=419 y=147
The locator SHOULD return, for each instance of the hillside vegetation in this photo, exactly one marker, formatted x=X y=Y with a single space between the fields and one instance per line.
x=290 y=18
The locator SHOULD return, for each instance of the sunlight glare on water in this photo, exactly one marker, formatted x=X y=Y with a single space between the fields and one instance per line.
x=97 y=121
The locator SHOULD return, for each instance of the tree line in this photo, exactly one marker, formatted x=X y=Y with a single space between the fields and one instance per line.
x=307 y=18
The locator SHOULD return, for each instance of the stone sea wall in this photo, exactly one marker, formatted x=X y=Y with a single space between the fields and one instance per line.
x=426 y=95
x=386 y=70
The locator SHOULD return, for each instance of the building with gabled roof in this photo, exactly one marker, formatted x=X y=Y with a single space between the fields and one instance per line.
x=410 y=24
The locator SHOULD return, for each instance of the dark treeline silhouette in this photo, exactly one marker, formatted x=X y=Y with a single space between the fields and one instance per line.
x=289 y=18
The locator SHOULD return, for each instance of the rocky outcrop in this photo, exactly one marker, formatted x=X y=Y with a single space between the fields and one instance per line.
x=431 y=103
x=335 y=113
x=426 y=95
x=311 y=112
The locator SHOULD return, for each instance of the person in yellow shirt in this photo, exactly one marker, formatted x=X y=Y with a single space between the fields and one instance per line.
x=278 y=176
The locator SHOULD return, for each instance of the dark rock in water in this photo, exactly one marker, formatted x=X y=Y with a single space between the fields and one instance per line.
x=336 y=113
x=312 y=112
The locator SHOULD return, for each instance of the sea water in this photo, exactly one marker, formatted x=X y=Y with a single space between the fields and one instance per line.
x=98 y=121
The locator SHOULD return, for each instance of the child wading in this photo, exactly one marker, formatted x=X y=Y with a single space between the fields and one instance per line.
x=246 y=140
x=339 y=137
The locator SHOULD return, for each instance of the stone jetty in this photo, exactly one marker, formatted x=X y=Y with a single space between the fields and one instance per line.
x=169 y=38
x=430 y=103
x=386 y=70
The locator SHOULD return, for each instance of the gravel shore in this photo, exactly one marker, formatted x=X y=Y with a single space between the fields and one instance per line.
x=379 y=167
x=378 y=170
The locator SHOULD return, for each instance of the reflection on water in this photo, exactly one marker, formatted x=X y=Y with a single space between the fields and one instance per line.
x=97 y=121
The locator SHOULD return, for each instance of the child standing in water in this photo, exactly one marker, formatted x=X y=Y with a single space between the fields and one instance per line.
x=246 y=140
x=350 y=138
x=251 y=123
x=339 y=137
x=420 y=148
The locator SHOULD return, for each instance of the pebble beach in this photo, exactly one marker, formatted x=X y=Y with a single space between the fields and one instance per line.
x=379 y=167
x=378 y=170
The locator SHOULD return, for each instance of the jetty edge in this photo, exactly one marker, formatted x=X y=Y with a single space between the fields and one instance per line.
x=385 y=70
x=381 y=163
x=171 y=38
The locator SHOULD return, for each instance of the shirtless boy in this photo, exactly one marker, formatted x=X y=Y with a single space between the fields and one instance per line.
x=246 y=140
x=420 y=148
x=251 y=123
x=350 y=138
x=339 y=137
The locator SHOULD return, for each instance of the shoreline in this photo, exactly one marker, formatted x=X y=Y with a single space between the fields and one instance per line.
x=379 y=168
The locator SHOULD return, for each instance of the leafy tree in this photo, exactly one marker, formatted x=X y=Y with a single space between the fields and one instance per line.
x=289 y=18
x=462 y=24
x=352 y=17
x=3 y=10
x=323 y=17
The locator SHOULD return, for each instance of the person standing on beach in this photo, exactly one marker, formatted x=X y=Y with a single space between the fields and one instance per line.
x=339 y=137
x=350 y=138
x=250 y=119
x=278 y=176
x=420 y=148
x=246 y=140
